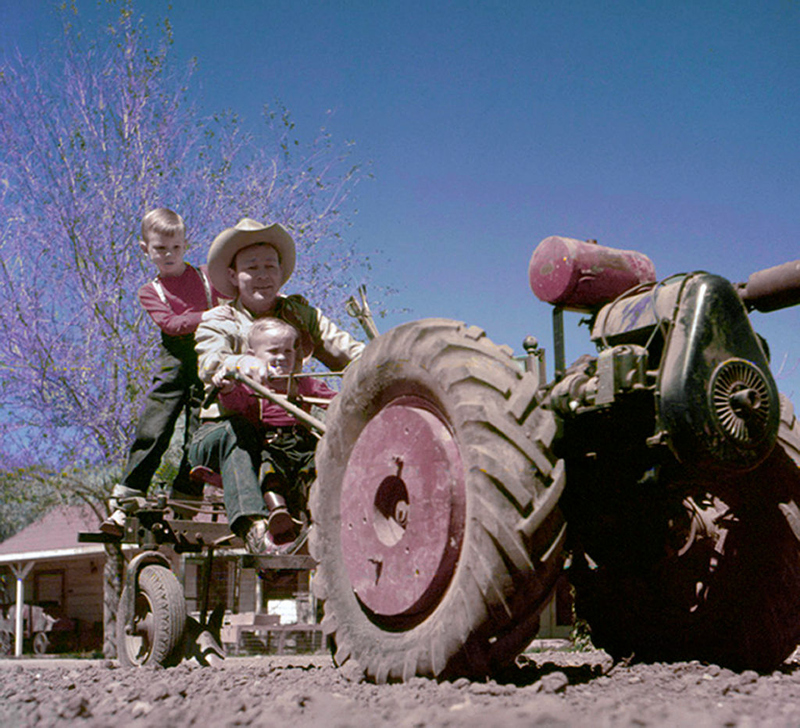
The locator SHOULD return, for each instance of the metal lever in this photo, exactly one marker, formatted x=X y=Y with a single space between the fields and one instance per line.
x=360 y=310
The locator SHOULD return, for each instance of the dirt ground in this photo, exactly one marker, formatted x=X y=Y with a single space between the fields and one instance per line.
x=550 y=688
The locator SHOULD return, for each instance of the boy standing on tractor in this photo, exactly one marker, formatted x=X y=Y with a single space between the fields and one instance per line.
x=175 y=300
x=287 y=457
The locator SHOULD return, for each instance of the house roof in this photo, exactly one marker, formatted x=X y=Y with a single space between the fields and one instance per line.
x=55 y=535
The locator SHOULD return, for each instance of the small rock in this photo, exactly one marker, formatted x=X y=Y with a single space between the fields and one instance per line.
x=418 y=682
x=747 y=677
x=140 y=708
x=77 y=707
x=555 y=682
x=159 y=691
x=352 y=671
x=488 y=688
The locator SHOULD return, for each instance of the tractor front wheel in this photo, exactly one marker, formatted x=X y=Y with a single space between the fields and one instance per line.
x=155 y=636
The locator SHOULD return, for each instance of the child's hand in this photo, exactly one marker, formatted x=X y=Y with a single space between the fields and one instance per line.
x=222 y=382
x=272 y=372
x=253 y=368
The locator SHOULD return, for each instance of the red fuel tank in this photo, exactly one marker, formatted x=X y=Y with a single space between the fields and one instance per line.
x=582 y=276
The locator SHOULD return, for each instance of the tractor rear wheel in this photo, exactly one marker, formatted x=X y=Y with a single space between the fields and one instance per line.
x=732 y=595
x=436 y=520
x=159 y=620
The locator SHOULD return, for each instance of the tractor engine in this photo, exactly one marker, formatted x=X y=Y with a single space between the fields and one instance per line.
x=687 y=342
x=668 y=436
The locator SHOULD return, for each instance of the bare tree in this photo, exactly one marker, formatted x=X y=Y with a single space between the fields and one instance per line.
x=92 y=135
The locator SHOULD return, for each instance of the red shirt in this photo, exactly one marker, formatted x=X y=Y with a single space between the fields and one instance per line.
x=185 y=298
x=261 y=411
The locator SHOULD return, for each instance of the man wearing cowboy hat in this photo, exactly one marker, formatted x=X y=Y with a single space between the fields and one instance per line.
x=249 y=263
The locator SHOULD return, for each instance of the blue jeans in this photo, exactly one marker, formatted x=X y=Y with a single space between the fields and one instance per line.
x=232 y=447
x=287 y=465
x=176 y=390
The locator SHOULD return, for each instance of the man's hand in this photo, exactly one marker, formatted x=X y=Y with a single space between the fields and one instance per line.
x=225 y=313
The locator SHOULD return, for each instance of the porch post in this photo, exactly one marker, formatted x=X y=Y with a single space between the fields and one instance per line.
x=259 y=596
x=20 y=571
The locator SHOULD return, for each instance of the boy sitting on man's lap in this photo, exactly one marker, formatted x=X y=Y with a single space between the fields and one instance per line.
x=287 y=465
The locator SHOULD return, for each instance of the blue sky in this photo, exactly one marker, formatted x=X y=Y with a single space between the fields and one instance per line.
x=672 y=128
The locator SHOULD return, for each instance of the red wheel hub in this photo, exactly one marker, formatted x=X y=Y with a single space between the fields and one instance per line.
x=402 y=510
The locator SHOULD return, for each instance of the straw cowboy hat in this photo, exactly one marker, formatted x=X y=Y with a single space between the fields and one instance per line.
x=247 y=232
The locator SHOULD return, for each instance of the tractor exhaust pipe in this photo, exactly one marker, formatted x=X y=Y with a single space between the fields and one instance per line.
x=772 y=288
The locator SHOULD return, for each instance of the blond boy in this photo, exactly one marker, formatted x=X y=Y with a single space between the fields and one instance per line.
x=175 y=299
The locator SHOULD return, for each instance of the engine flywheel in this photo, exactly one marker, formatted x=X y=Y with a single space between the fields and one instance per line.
x=740 y=400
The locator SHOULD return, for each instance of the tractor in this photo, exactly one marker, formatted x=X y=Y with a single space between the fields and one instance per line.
x=661 y=473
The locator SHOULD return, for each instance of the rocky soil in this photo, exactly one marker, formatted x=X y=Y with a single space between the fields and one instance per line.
x=549 y=688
